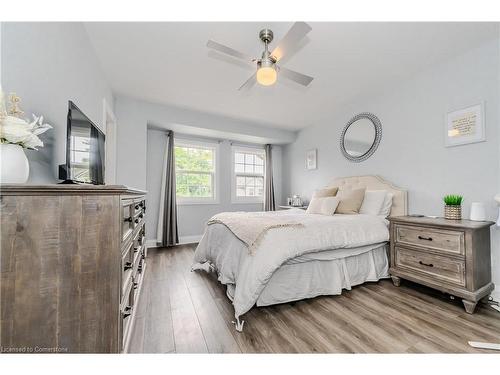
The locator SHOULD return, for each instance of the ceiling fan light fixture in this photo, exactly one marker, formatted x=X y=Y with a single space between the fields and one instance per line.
x=266 y=73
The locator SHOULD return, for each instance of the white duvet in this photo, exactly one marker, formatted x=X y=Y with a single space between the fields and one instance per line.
x=251 y=272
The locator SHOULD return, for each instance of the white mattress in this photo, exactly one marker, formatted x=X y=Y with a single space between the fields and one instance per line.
x=324 y=273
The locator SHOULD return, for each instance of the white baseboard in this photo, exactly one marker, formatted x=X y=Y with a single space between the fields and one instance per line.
x=182 y=240
x=151 y=243
x=189 y=239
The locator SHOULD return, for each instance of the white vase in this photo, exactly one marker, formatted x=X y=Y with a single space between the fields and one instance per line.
x=14 y=166
x=477 y=211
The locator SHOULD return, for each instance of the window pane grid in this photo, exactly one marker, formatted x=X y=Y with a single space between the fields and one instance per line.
x=248 y=163
x=249 y=186
x=248 y=174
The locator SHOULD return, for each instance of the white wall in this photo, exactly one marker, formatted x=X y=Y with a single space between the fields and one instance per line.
x=47 y=64
x=193 y=217
x=412 y=152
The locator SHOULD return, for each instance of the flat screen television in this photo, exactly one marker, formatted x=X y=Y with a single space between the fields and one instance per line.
x=85 y=157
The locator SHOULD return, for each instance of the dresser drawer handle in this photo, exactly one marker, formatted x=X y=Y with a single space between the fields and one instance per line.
x=129 y=219
x=127 y=311
x=425 y=238
x=136 y=221
x=127 y=266
x=426 y=264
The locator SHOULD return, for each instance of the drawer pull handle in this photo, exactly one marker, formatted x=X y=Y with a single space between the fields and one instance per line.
x=136 y=248
x=136 y=206
x=136 y=285
x=127 y=311
x=127 y=266
x=141 y=216
x=426 y=264
x=136 y=221
x=425 y=238
x=129 y=219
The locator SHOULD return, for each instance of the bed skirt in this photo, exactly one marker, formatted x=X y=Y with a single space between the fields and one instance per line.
x=296 y=281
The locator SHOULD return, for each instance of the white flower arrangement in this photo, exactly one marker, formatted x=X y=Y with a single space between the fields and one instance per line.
x=17 y=130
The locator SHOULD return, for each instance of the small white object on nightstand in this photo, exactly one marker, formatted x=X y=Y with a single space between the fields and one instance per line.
x=477 y=211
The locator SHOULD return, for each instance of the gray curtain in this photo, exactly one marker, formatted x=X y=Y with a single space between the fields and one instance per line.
x=169 y=231
x=269 y=204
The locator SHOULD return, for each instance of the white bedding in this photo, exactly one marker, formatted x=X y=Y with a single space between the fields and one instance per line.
x=321 y=236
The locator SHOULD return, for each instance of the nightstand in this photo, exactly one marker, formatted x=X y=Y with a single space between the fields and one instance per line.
x=452 y=256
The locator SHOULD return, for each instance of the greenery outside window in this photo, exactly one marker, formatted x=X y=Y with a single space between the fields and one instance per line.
x=195 y=171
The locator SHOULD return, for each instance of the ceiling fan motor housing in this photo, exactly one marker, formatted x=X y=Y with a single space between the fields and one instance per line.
x=266 y=35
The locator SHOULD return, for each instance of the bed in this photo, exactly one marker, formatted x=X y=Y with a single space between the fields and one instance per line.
x=303 y=255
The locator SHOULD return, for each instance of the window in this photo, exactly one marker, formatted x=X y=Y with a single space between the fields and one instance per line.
x=195 y=171
x=248 y=175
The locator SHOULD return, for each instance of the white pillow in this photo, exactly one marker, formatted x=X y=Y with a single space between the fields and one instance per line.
x=323 y=206
x=386 y=206
x=373 y=202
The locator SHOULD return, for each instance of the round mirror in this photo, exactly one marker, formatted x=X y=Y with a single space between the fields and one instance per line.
x=361 y=137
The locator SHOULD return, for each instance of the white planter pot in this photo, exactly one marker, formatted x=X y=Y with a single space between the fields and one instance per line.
x=14 y=166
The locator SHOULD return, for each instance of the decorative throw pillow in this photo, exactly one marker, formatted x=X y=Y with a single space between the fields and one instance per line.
x=350 y=201
x=372 y=202
x=387 y=205
x=327 y=192
x=323 y=206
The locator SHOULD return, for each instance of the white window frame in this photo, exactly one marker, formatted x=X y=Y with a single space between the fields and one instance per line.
x=215 y=180
x=246 y=200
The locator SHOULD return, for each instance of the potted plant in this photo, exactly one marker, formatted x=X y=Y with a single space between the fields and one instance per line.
x=453 y=207
x=16 y=134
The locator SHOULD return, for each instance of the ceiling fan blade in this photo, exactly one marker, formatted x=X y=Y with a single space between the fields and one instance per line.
x=249 y=82
x=292 y=37
x=295 y=76
x=228 y=51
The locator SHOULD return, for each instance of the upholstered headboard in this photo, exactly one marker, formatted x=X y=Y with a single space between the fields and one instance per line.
x=399 y=202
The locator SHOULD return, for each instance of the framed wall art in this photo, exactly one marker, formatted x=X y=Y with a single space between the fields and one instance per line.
x=465 y=126
x=311 y=159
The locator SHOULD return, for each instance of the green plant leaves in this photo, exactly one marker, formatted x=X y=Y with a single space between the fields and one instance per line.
x=453 y=200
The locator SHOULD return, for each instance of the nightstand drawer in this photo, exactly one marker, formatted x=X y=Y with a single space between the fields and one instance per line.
x=444 y=241
x=437 y=267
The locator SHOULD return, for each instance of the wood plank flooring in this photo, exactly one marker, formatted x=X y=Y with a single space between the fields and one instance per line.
x=188 y=312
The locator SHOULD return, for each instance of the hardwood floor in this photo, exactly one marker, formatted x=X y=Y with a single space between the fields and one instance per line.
x=188 y=312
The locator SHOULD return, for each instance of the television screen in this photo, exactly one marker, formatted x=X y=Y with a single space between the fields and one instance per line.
x=85 y=156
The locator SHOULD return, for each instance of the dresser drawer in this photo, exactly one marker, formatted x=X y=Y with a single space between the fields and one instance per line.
x=438 y=267
x=128 y=213
x=443 y=241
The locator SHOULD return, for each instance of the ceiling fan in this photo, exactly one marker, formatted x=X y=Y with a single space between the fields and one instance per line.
x=268 y=65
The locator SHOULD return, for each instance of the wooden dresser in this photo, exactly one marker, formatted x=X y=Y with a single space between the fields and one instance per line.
x=73 y=259
x=449 y=255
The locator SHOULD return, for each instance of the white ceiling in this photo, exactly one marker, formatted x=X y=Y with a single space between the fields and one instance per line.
x=169 y=63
